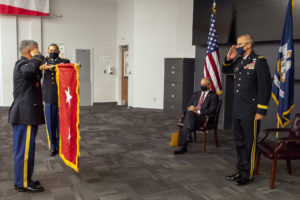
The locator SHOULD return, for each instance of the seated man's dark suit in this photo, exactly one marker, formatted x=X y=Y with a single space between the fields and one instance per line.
x=193 y=120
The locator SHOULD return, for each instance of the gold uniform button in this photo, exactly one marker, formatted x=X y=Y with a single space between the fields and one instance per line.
x=34 y=105
x=237 y=91
x=238 y=85
x=52 y=83
x=248 y=73
x=52 y=74
x=240 y=73
x=52 y=78
x=253 y=99
x=240 y=79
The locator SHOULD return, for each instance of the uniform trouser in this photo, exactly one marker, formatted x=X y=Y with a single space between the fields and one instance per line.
x=246 y=132
x=52 y=122
x=190 y=122
x=24 y=150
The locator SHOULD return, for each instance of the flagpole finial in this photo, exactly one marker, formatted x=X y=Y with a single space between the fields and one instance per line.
x=214 y=7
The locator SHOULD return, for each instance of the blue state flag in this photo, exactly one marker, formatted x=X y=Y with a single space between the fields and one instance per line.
x=283 y=86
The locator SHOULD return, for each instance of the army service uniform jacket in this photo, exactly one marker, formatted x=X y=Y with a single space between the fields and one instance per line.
x=49 y=81
x=27 y=107
x=252 y=85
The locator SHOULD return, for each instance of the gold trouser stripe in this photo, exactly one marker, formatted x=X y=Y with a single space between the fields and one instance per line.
x=48 y=138
x=253 y=150
x=26 y=153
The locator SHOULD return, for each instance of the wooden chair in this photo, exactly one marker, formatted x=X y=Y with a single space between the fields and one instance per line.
x=286 y=148
x=211 y=123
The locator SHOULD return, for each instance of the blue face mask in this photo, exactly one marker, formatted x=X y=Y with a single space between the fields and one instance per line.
x=240 y=51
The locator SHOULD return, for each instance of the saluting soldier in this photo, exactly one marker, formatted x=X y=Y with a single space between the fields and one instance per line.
x=252 y=91
x=50 y=98
x=26 y=113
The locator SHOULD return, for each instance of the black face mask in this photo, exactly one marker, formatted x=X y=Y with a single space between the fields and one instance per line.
x=53 y=55
x=204 y=88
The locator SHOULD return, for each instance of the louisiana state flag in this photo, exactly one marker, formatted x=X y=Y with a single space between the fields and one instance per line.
x=283 y=87
x=67 y=78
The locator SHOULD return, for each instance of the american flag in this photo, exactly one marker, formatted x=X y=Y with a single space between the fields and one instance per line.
x=212 y=61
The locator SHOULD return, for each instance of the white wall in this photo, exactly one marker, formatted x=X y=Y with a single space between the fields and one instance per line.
x=153 y=30
x=86 y=24
x=8 y=57
x=160 y=29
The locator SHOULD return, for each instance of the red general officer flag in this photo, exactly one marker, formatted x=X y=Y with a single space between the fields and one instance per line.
x=67 y=78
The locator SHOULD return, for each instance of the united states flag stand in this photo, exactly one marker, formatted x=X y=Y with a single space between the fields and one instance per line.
x=212 y=60
x=67 y=78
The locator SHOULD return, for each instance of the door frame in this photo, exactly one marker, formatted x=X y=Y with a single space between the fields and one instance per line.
x=92 y=68
x=119 y=74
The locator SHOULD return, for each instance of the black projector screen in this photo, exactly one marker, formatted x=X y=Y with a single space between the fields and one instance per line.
x=263 y=19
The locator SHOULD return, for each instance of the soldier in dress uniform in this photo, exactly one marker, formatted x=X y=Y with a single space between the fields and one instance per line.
x=51 y=99
x=26 y=113
x=252 y=91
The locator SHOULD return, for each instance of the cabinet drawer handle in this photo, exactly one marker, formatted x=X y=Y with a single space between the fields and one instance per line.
x=173 y=67
x=172 y=72
x=173 y=95
x=173 y=84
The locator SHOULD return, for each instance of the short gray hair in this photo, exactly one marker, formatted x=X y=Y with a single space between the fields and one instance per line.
x=25 y=44
x=249 y=38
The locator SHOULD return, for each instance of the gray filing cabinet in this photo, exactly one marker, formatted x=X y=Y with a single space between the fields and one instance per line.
x=179 y=84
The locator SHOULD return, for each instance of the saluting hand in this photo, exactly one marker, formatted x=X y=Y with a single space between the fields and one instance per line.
x=231 y=53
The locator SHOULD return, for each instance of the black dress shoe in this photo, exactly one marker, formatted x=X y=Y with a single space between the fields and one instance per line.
x=243 y=181
x=53 y=152
x=181 y=151
x=37 y=182
x=233 y=177
x=32 y=189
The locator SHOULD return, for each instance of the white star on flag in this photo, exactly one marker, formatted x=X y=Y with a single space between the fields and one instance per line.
x=69 y=97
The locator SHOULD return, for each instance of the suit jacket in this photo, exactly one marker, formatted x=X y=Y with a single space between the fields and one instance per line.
x=252 y=85
x=209 y=105
x=49 y=81
x=27 y=107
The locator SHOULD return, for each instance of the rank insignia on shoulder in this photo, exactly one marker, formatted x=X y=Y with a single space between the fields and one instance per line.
x=260 y=57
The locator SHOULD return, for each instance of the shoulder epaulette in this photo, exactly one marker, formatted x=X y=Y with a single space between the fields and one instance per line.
x=260 y=57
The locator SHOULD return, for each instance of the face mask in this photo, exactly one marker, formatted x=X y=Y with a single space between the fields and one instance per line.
x=53 y=55
x=204 y=88
x=240 y=50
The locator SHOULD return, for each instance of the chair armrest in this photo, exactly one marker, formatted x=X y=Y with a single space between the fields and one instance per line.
x=274 y=130
x=182 y=116
x=289 y=139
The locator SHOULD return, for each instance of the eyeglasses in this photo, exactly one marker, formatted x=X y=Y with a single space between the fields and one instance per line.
x=240 y=44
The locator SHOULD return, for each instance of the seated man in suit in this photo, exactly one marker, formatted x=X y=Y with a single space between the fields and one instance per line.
x=202 y=103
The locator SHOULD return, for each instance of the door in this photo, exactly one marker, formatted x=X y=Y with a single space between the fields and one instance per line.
x=83 y=56
x=124 y=77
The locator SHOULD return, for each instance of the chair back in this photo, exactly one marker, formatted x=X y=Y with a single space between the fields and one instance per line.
x=295 y=129
x=213 y=122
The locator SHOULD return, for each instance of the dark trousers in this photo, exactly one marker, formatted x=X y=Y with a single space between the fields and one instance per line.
x=24 y=150
x=246 y=132
x=191 y=121
x=52 y=122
